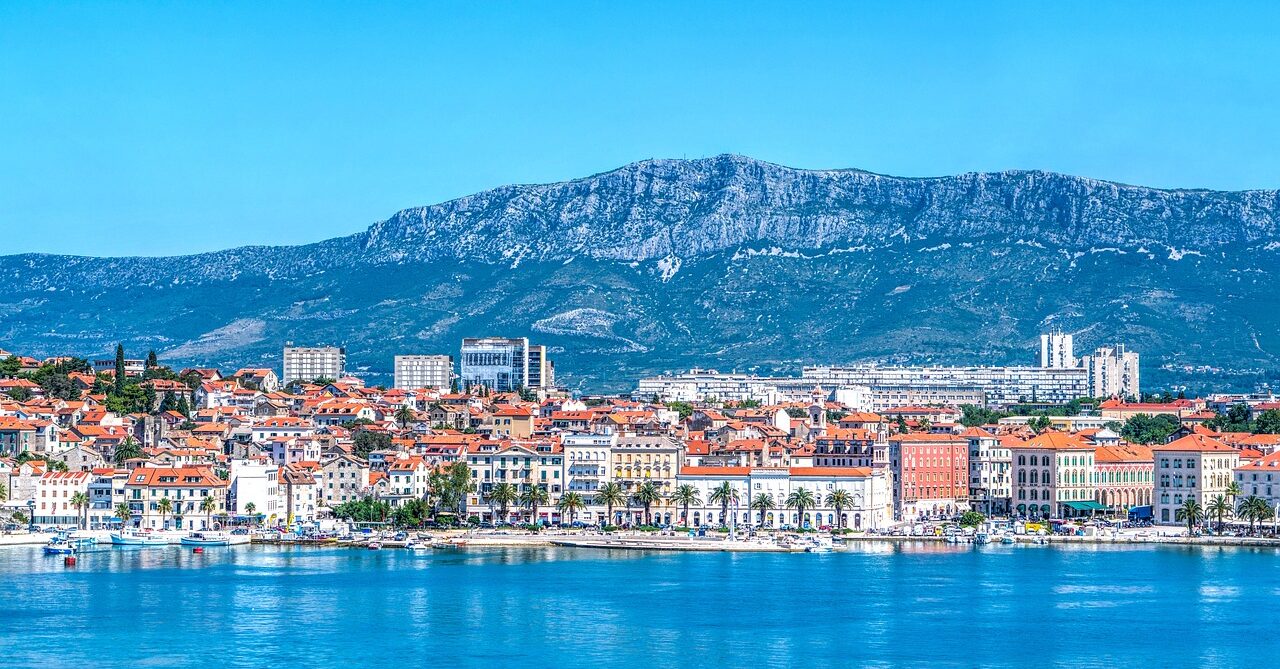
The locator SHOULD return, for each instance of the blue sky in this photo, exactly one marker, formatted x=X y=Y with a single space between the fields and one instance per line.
x=153 y=128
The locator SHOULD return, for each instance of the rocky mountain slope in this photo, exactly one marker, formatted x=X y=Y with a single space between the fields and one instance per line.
x=723 y=262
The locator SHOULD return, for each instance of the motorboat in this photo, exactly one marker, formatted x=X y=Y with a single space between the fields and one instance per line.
x=980 y=539
x=1008 y=540
x=819 y=545
x=138 y=538
x=417 y=547
x=65 y=546
x=207 y=539
x=374 y=545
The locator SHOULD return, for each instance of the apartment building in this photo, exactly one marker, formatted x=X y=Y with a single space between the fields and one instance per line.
x=424 y=371
x=307 y=363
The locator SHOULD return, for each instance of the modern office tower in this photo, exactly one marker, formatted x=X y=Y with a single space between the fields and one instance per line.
x=504 y=364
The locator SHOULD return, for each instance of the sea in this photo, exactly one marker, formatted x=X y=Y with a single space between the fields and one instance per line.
x=877 y=605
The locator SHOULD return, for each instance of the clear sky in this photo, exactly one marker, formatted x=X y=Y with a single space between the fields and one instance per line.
x=158 y=128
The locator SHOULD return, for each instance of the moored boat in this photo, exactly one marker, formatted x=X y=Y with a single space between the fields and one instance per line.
x=207 y=539
x=64 y=546
x=138 y=538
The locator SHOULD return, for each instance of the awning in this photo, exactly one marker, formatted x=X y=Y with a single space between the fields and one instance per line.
x=1086 y=506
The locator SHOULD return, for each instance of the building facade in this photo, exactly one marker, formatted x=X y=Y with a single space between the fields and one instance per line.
x=424 y=371
x=1193 y=467
x=1113 y=372
x=930 y=475
x=307 y=363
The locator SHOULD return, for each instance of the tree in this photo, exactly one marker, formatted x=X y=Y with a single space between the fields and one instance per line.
x=646 y=494
x=183 y=407
x=207 y=505
x=724 y=495
x=683 y=408
x=10 y=366
x=762 y=503
x=1236 y=419
x=504 y=495
x=80 y=501
x=1039 y=423
x=57 y=466
x=1233 y=491
x=571 y=503
x=404 y=415
x=366 y=441
x=1190 y=513
x=800 y=500
x=610 y=495
x=251 y=510
x=119 y=380
x=164 y=506
x=839 y=500
x=971 y=519
x=1267 y=422
x=533 y=497
x=124 y=513
x=151 y=359
x=1253 y=508
x=1146 y=429
x=684 y=496
x=127 y=450
x=4 y=493
x=1219 y=507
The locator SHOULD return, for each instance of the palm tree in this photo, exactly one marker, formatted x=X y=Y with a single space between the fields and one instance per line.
x=127 y=450
x=1190 y=513
x=610 y=495
x=724 y=495
x=504 y=495
x=1219 y=507
x=207 y=505
x=645 y=495
x=80 y=501
x=800 y=500
x=1233 y=491
x=685 y=495
x=124 y=513
x=164 y=506
x=571 y=503
x=403 y=415
x=533 y=497
x=1252 y=509
x=4 y=493
x=762 y=503
x=840 y=500
x=251 y=510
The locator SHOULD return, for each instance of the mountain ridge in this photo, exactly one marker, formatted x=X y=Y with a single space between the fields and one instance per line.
x=638 y=262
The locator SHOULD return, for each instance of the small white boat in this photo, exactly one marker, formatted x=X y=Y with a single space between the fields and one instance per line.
x=1008 y=539
x=138 y=538
x=207 y=539
x=980 y=538
x=417 y=547
x=374 y=545
x=819 y=545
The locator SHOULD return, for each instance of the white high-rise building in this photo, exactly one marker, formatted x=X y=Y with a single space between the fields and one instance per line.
x=1057 y=351
x=313 y=362
x=1113 y=371
x=424 y=371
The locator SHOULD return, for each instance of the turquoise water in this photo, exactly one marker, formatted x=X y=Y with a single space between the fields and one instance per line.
x=911 y=606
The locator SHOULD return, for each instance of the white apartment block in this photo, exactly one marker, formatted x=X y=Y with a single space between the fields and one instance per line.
x=423 y=371
x=1057 y=351
x=314 y=362
x=1112 y=372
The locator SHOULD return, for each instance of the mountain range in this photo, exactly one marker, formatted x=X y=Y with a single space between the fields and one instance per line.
x=724 y=262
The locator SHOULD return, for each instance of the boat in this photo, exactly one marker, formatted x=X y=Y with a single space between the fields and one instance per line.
x=65 y=546
x=819 y=545
x=207 y=539
x=374 y=545
x=980 y=539
x=1007 y=539
x=137 y=538
x=417 y=547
